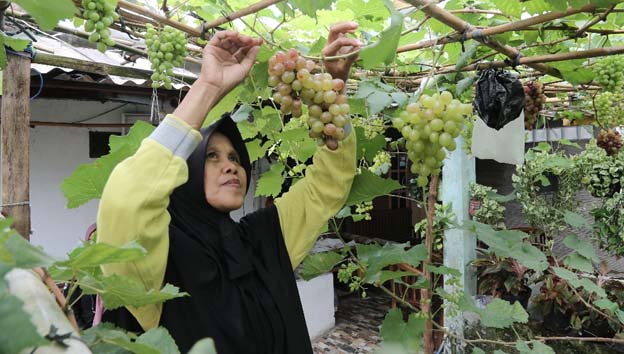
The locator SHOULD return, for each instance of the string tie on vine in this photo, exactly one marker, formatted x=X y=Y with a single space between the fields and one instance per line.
x=202 y=31
x=514 y=62
x=464 y=37
x=124 y=28
x=478 y=35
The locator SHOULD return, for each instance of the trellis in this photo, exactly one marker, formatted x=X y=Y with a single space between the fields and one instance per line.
x=16 y=116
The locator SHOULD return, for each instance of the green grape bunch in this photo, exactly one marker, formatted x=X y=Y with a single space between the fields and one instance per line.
x=609 y=73
x=610 y=108
x=534 y=102
x=99 y=15
x=295 y=85
x=429 y=126
x=166 y=49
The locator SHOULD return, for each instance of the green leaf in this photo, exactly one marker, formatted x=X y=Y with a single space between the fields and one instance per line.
x=310 y=7
x=204 y=346
x=48 y=13
x=501 y=314
x=501 y=198
x=477 y=351
x=16 y=329
x=367 y=185
x=378 y=101
x=620 y=316
x=577 y=282
x=464 y=84
x=106 y=338
x=87 y=181
x=16 y=44
x=242 y=113
x=443 y=270
x=270 y=183
x=319 y=263
x=255 y=150
x=576 y=261
x=96 y=254
x=117 y=291
x=538 y=348
x=530 y=256
x=23 y=253
x=378 y=257
x=583 y=247
x=226 y=105
x=574 y=72
x=159 y=338
x=398 y=333
x=399 y=97
x=384 y=50
x=467 y=55
x=606 y=304
x=576 y=220
x=137 y=133
x=366 y=147
x=385 y=275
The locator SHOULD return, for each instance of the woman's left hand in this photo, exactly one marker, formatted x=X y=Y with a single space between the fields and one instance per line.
x=339 y=44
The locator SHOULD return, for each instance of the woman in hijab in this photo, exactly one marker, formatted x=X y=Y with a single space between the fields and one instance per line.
x=174 y=197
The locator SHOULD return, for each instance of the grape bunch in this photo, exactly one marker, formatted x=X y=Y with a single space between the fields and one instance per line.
x=610 y=108
x=166 y=49
x=429 y=126
x=99 y=15
x=295 y=84
x=609 y=73
x=610 y=140
x=534 y=101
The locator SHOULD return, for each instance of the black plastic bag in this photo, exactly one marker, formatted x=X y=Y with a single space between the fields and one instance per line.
x=499 y=99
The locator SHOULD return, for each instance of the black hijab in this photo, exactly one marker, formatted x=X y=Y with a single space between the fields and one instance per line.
x=239 y=275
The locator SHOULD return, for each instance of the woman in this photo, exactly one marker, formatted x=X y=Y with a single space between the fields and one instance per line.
x=174 y=197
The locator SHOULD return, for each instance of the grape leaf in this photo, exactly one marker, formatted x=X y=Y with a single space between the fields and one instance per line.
x=377 y=101
x=16 y=329
x=310 y=7
x=242 y=113
x=384 y=50
x=477 y=351
x=378 y=257
x=255 y=150
x=577 y=282
x=606 y=304
x=367 y=185
x=501 y=314
x=226 y=105
x=48 y=13
x=576 y=220
x=204 y=346
x=583 y=247
x=464 y=84
x=23 y=254
x=538 y=348
x=576 y=261
x=444 y=270
x=106 y=338
x=117 y=291
x=319 y=263
x=159 y=338
x=574 y=72
x=366 y=147
x=96 y=254
x=270 y=183
x=88 y=180
x=137 y=133
x=400 y=334
x=16 y=44
x=467 y=55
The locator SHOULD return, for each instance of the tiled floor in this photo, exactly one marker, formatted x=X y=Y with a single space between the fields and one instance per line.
x=357 y=326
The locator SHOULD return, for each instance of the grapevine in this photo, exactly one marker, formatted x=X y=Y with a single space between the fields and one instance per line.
x=166 y=50
x=295 y=84
x=610 y=140
x=99 y=15
x=609 y=73
x=534 y=98
x=429 y=126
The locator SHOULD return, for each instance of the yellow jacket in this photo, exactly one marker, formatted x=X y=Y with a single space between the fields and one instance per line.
x=135 y=199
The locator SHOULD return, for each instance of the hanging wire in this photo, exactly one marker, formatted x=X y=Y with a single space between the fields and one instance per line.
x=154 y=112
x=40 y=84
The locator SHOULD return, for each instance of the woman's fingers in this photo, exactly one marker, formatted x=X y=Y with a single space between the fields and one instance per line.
x=340 y=28
x=234 y=43
x=341 y=44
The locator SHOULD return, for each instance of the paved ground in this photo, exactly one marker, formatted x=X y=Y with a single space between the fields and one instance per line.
x=357 y=326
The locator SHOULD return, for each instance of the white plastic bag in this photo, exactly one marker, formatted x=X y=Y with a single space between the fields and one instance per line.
x=505 y=145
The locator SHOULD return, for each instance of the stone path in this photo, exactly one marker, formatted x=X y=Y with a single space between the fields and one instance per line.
x=357 y=326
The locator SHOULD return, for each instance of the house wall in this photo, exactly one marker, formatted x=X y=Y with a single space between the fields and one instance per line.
x=55 y=152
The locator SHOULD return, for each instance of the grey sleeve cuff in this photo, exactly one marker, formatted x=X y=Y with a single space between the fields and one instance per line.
x=177 y=136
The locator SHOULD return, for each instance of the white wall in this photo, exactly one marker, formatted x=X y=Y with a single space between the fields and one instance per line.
x=55 y=152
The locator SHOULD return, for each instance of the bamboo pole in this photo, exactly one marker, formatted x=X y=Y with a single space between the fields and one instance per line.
x=242 y=12
x=158 y=17
x=15 y=154
x=35 y=123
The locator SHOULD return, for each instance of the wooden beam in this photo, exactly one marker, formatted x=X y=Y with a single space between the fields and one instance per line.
x=16 y=143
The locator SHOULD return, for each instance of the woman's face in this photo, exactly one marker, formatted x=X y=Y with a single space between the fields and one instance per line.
x=225 y=180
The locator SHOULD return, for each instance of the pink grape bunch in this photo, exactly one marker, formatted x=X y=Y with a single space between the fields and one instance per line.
x=534 y=102
x=295 y=84
x=429 y=126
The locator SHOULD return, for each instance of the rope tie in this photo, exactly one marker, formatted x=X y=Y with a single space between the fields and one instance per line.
x=464 y=37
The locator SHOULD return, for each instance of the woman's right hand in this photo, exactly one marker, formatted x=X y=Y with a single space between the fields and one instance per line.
x=227 y=59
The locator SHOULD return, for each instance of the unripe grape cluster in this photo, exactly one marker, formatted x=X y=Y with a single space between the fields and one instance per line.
x=610 y=108
x=610 y=140
x=429 y=126
x=166 y=49
x=534 y=101
x=99 y=15
x=609 y=73
x=381 y=163
x=295 y=84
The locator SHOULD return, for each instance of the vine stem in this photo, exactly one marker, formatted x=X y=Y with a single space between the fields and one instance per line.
x=60 y=299
x=425 y=294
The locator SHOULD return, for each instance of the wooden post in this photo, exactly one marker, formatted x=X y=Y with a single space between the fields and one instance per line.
x=16 y=142
x=459 y=245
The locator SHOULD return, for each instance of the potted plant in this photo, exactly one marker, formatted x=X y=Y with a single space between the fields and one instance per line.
x=484 y=208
